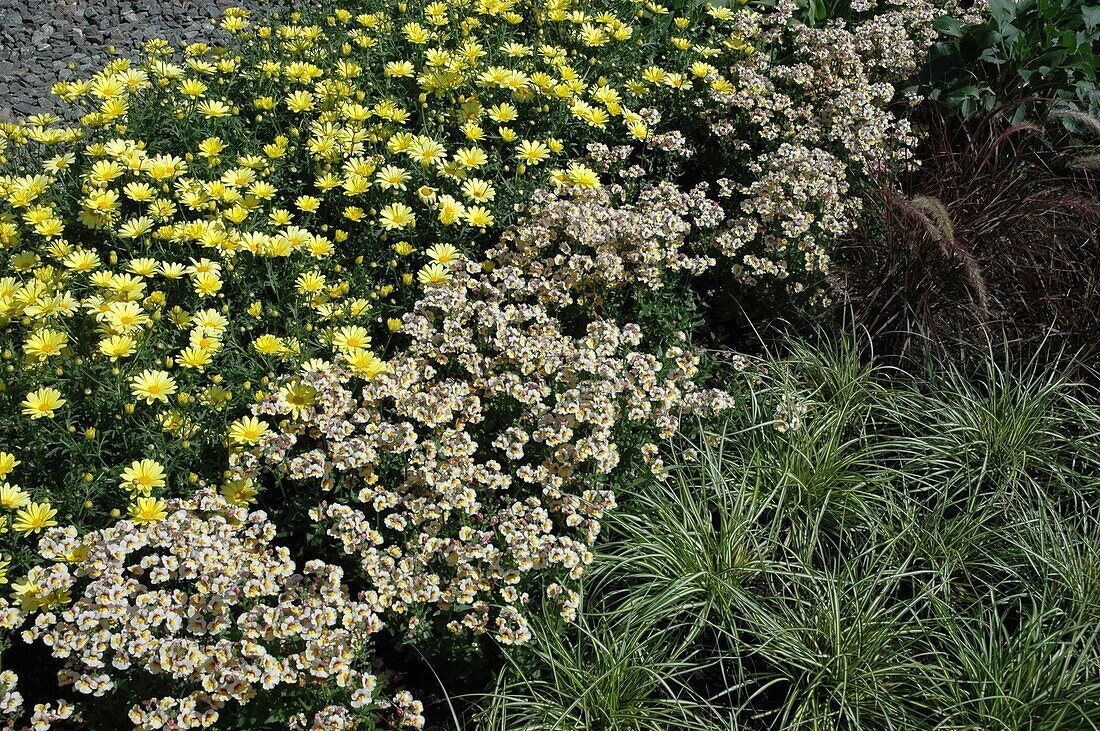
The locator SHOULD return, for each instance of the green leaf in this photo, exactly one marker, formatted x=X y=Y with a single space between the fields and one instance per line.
x=1091 y=15
x=815 y=11
x=965 y=92
x=991 y=55
x=948 y=26
x=1003 y=12
x=1051 y=59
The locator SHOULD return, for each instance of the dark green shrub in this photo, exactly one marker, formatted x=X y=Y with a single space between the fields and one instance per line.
x=1044 y=50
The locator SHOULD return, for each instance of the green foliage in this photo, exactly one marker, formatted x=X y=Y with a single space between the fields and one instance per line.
x=907 y=554
x=1044 y=51
x=1016 y=668
x=614 y=673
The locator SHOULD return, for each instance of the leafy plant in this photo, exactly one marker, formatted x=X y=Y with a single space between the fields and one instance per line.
x=1017 y=668
x=1044 y=51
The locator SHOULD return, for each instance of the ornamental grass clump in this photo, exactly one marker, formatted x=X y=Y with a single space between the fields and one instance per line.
x=916 y=552
x=995 y=233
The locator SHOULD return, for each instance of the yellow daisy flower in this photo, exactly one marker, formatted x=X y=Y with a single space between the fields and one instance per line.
x=12 y=497
x=478 y=190
x=42 y=403
x=267 y=344
x=471 y=157
x=211 y=320
x=583 y=176
x=124 y=317
x=148 y=510
x=350 y=337
x=45 y=343
x=396 y=216
x=298 y=397
x=117 y=346
x=365 y=363
x=503 y=113
x=450 y=210
x=193 y=357
x=206 y=284
x=427 y=151
x=479 y=216
x=215 y=108
x=433 y=274
x=392 y=177
x=247 y=430
x=8 y=462
x=153 y=385
x=206 y=339
x=82 y=261
x=34 y=518
x=239 y=492
x=532 y=153
x=143 y=476
x=443 y=254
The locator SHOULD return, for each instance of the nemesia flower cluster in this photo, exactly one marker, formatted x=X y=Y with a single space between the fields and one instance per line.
x=823 y=106
x=203 y=598
x=471 y=472
x=571 y=246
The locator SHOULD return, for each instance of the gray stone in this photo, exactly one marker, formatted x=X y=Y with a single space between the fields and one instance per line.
x=40 y=38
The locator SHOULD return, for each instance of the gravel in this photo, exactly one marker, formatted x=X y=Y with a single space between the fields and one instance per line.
x=46 y=41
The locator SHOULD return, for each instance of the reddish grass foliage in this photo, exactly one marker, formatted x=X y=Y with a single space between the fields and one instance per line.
x=994 y=237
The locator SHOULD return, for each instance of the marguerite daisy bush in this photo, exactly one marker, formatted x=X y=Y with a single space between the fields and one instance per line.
x=378 y=274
